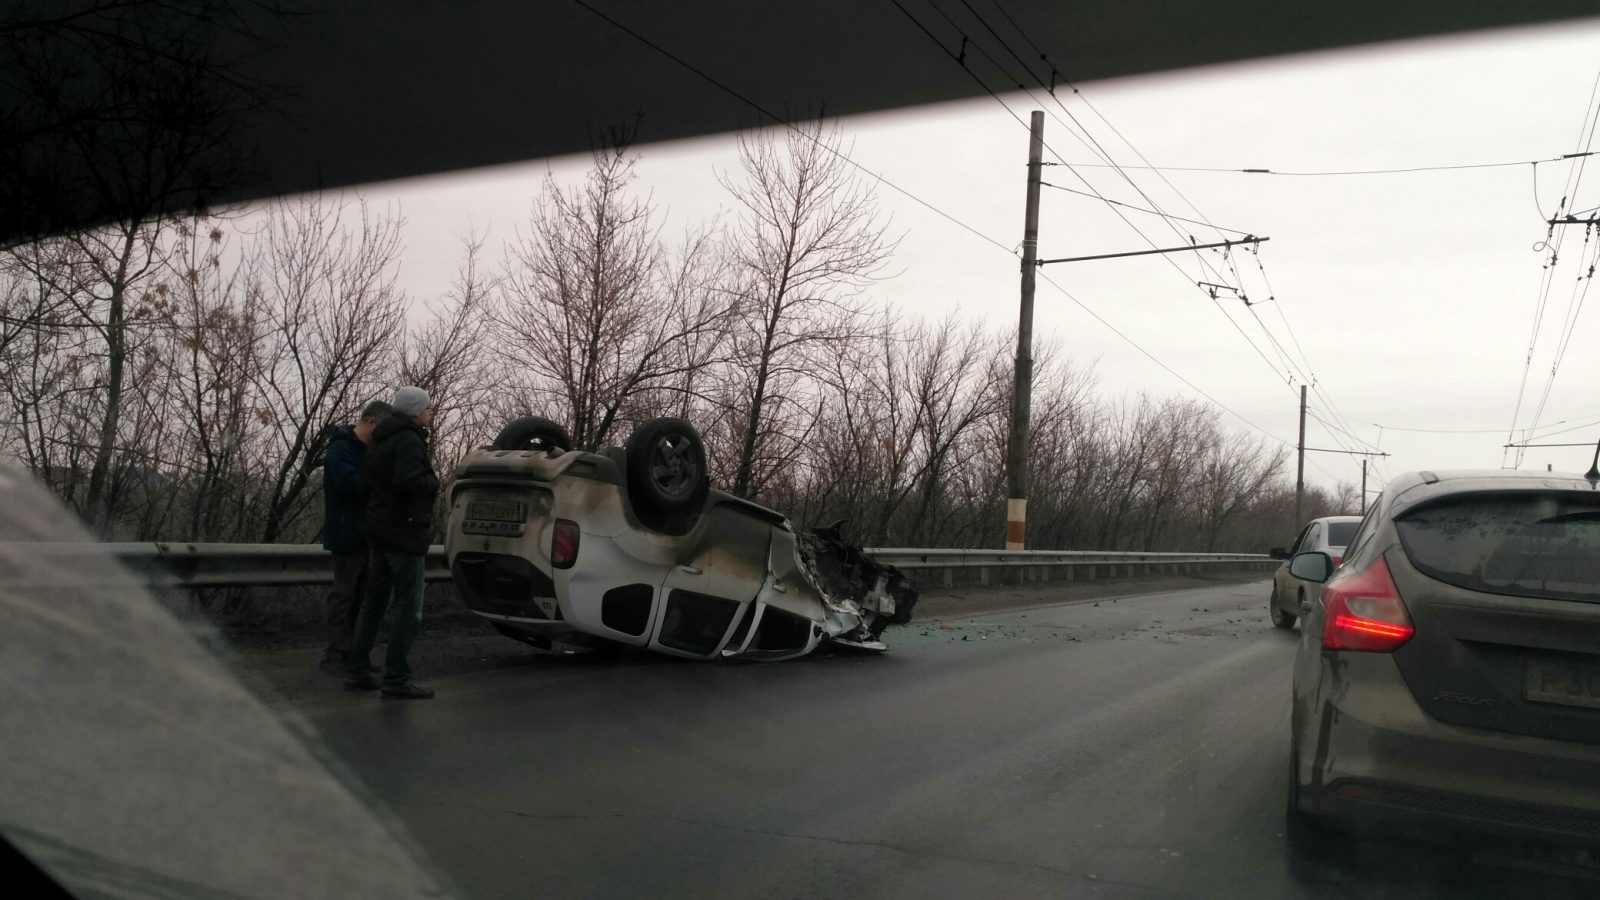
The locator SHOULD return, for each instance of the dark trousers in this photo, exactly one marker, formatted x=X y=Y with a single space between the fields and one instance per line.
x=394 y=583
x=344 y=601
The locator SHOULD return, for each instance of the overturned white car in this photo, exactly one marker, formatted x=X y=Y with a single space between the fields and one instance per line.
x=632 y=546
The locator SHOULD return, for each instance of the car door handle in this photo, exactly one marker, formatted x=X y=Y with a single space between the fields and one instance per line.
x=692 y=570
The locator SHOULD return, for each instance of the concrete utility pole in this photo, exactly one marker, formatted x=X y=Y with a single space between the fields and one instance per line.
x=1022 y=393
x=1363 y=485
x=1300 y=468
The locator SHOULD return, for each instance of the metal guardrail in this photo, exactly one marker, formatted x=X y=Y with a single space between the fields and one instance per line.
x=934 y=558
x=197 y=565
x=1037 y=565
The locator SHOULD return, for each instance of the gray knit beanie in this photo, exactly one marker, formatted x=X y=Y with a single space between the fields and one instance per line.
x=410 y=401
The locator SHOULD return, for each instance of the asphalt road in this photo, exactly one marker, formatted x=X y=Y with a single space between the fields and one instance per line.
x=1127 y=749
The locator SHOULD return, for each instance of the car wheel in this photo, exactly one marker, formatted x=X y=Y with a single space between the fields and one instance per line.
x=532 y=433
x=1305 y=834
x=1280 y=618
x=536 y=641
x=666 y=462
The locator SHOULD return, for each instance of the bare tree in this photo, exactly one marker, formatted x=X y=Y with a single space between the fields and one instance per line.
x=860 y=471
x=807 y=241
x=334 y=313
x=49 y=374
x=1346 y=499
x=1236 y=473
x=593 y=307
x=956 y=389
x=448 y=357
x=115 y=115
x=96 y=274
x=215 y=339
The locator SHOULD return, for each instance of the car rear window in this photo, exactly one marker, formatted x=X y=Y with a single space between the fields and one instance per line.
x=1340 y=533
x=1535 y=545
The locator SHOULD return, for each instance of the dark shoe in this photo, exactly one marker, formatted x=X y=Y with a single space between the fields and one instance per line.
x=408 y=692
x=343 y=662
x=361 y=683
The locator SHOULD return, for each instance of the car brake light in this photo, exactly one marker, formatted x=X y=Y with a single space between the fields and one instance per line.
x=1337 y=559
x=1363 y=611
x=564 y=545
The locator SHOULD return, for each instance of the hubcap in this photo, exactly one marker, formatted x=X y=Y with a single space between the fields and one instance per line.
x=673 y=466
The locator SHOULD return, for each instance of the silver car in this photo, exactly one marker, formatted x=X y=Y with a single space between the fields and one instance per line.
x=1291 y=595
x=1447 y=683
x=632 y=546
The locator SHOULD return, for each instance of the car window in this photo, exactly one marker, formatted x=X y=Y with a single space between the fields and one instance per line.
x=1314 y=537
x=1300 y=542
x=1364 y=530
x=1339 y=533
x=1537 y=545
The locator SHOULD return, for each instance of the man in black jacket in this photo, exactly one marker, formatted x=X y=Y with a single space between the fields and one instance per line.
x=344 y=529
x=401 y=489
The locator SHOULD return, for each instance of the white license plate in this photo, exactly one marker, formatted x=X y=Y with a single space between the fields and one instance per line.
x=497 y=511
x=1567 y=682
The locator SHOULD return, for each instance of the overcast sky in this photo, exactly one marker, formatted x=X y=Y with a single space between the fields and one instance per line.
x=1412 y=295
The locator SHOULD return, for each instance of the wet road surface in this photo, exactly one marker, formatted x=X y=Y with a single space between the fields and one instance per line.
x=1131 y=748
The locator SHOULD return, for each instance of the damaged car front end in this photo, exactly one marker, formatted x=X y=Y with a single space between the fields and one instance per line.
x=631 y=546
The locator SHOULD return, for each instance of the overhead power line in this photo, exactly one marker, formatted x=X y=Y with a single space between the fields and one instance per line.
x=954 y=220
x=1554 y=241
x=1347 y=452
x=1153 y=212
x=1337 y=172
x=1315 y=382
x=1249 y=239
x=786 y=123
x=1491 y=430
x=960 y=57
x=1085 y=137
x=1306 y=374
x=1155 y=359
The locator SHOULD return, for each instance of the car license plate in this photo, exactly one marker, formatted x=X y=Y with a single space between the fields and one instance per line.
x=1569 y=682
x=497 y=511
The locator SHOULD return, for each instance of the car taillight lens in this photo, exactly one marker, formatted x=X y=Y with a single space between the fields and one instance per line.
x=1337 y=559
x=564 y=545
x=1363 y=611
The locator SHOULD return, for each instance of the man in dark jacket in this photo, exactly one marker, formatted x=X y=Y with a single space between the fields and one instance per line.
x=344 y=529
x=401 y=490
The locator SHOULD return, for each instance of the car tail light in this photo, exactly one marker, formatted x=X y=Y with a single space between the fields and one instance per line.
x=1363 y=611
x=564 y=545
x=1337 y=559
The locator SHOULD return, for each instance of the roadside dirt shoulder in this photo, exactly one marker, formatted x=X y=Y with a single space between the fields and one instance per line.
x=961 y=603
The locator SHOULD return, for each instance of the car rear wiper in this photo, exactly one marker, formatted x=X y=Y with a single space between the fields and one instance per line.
x=1586 y=515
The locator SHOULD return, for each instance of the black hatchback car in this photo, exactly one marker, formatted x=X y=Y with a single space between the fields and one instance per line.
x=1447 y=683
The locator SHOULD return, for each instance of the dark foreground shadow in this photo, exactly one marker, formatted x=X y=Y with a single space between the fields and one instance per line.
x=1399 y=868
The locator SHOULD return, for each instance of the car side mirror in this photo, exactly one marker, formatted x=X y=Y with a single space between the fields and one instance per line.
x=1278 y=553
x=1311 y=566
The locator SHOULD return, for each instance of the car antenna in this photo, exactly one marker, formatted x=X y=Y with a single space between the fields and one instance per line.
x=1593 y=475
